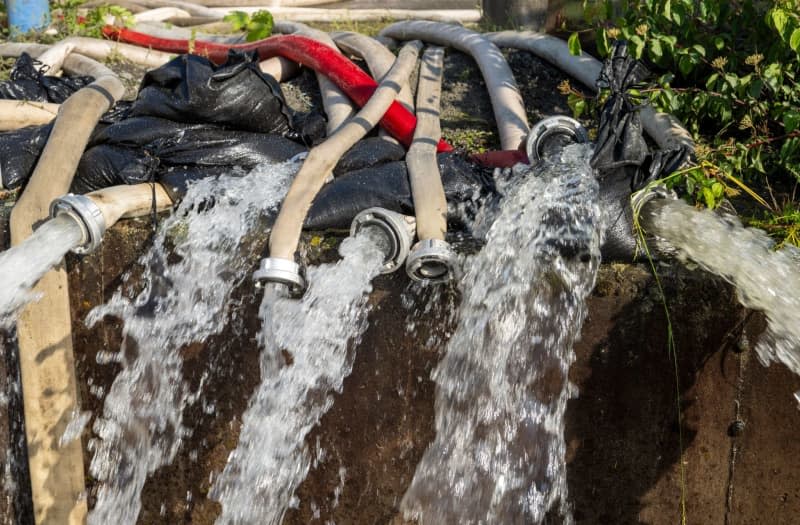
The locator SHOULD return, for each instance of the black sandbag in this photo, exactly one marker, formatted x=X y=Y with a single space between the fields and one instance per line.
x=28 y=81
x=19 y=151
x=387 y=186
x=192 y=89
x=369 y=152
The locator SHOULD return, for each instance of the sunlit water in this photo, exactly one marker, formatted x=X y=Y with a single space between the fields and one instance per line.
x=502 y=386
x=23 y=265
x=183 y=301
x=308 y=350
x=766 y=279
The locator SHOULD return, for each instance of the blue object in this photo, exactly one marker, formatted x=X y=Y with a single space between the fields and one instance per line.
x=27 y=15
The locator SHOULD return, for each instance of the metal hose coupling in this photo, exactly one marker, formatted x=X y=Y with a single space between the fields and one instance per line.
x=87 y=214
x=397 y=229
x=283 y=271
x=553 y=129
x=432 y=260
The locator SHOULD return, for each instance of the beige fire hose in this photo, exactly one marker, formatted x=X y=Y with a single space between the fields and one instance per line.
x=323 y=158
x=16 y=114
x=136 y=200
x=337 y=105
x=663 y=128
x=44 y=328
x=93 y=48
x=509 y=110
x=331 y=14
x=427 y=191
x=159 y=14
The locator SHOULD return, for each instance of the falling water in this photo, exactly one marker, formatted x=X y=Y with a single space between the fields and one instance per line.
x=766 y=279
x=308 y=351
x=182 y=302
x=502 y=386
x=23 y=265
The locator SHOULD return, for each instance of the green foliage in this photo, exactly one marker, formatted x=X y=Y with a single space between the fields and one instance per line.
x=258 y=25
x=68 y=20
x=729 y=71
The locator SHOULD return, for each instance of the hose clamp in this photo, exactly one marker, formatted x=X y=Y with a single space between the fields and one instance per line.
x=398 y=229
x=87 y=215
x=282 y=271
x=432 y=260
x=547 y=127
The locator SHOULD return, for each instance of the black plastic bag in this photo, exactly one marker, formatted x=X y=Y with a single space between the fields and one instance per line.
x=19 y=151
x=29 y=82
x=191 y=89
x=388 y=186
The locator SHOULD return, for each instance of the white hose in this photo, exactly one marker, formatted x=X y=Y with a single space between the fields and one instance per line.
x=135 y=200
x=430 y=204
x=378 y=57
x=93 y=48
x=509 y=110
x=259 y=4
x=664 y=129
x=54 y=57
x=159 y=14
x=323 y=158
x=16 y=114
x=337 y=105
x=163 y=30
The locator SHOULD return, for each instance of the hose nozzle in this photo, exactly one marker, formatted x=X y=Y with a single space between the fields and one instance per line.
x=282 y=271
x=553 y=132
x=397 y=229
x=87 y=214
x=431 y=260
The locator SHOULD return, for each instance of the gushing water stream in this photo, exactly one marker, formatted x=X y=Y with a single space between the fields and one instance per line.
x=22 y=266
x=502 y=386
x=308 y=351
x=766 y=279
x=182 y=302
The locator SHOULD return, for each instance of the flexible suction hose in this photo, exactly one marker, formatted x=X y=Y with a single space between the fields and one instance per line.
x=509 y=110
x=357 y=84
x=664 y=129
x=47 y=364
x=323 y=158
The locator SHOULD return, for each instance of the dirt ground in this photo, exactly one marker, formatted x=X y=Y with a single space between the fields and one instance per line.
x=733 y=453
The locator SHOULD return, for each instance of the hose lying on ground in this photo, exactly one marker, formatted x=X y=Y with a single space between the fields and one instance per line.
x=509 y=110
x=662 y=128
x=323 y=158
x=336 y=104
x=430 y=205
x=160 y=14
x=93 y=48
x=16 y=114
x=310 y=14
x=358 y=85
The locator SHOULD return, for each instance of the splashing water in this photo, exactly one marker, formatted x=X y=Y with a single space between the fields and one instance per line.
x=502 y=386
x=308 y=351
x=141 y=428
x=23 y=265
x=767 y=280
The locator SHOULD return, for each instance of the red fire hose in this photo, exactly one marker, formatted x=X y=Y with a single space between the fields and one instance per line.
x=359 y=86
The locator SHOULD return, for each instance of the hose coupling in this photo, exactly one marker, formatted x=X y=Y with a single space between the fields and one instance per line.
x=283 y=271
x=547 y=129
x=397 y=229
x=647 y=194
x=432 y=260
x=87 y=214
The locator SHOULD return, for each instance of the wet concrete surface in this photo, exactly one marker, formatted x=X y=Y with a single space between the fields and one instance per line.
x=627 y=446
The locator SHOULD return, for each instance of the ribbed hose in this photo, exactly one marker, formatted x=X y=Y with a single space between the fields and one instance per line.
x=47 y=364
x=358 y=85
x=427 y=191
x=664 y=129
x=323 y=158
x=337 y=106
x=509 y=110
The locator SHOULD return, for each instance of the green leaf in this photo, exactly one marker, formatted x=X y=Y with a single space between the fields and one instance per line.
x=602 y=43
x=791 y=120
x=718 y=190
x=708 y=197
x=794 y=41
x=685 y=65
x=719 y=43
x=238 y=19
x=699 y=49
x=656 y=52
x=574 y=44
x=779 y=20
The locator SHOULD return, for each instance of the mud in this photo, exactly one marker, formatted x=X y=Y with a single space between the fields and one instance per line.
x=627 y=443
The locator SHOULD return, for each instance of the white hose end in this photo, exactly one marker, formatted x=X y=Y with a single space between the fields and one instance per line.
x=432 y=260
x=87 y=215
x=398 y=230
x=550 y=127
x=282 y=271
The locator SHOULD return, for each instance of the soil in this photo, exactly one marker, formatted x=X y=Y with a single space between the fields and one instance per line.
x=631 y=456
